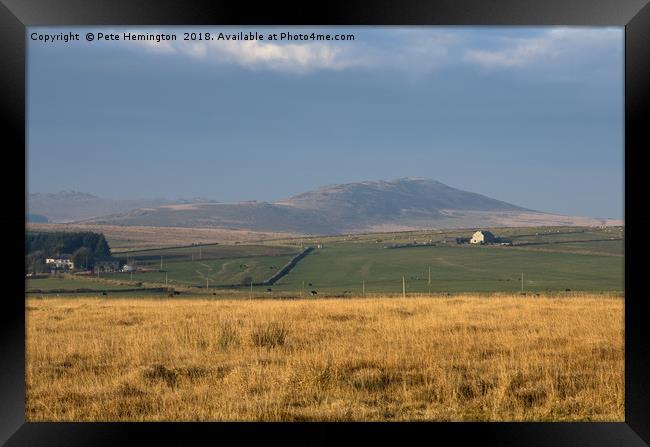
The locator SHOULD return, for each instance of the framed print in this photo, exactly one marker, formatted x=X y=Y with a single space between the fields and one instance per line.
x=360 y=218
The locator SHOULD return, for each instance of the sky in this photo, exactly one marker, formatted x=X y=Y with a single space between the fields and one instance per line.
x=532 y=116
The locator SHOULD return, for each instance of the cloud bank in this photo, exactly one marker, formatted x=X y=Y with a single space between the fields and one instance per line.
x=551 y=46
x=416 y=51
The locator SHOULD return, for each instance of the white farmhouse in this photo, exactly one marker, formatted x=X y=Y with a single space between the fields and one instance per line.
x=60 y=263
x=482 y=237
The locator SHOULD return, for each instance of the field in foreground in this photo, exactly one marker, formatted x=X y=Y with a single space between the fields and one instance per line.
x=497 y=358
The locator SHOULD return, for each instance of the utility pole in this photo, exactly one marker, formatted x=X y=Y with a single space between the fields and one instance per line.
x=522 y=282
x=403 y=287
x=250 y=295
x=363 y=288
x=207 y=285
x=429 y=277
x=302 y=290
x=161 y=263
x=165 y=279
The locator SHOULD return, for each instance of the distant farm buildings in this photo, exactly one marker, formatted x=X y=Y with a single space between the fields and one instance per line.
x=483 y=237
x=63 y=262
x=107 y=265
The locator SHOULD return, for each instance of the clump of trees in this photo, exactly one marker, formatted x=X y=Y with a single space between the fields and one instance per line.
x=83 y=258
x=83 y=247
x=35 y=262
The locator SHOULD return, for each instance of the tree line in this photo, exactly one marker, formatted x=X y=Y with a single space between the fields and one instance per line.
x=83 y=247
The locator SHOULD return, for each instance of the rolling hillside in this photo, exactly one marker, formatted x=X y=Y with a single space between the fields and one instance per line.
x=402 y=204
x=68 y=206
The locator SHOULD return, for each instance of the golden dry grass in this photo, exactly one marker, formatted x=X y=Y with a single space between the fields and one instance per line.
x=498 y=358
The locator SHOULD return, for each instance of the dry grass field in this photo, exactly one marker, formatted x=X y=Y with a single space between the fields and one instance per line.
x=125 y=238
x=462 y=358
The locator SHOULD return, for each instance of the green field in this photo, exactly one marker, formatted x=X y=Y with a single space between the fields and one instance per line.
x=343 y=267
x=204 y=252
x=215 y=272
x=551 y=259
x=201 y=265
x=603 y=248
x=555 y=236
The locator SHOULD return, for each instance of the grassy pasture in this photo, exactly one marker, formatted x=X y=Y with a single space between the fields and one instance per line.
x=551 y=259
x=341 y=266
x=125 y=238
x=518 y=235
x=602 y=247
x=215 y=271
x=466 y=358
x=205 y=253
x=214 y=264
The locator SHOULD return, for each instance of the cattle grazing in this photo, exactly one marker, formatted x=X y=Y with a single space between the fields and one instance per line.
x=313 y=292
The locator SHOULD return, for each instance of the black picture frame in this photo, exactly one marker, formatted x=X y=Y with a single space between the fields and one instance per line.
x=634 y=15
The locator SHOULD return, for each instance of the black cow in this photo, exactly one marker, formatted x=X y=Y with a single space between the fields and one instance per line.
x=313 y=292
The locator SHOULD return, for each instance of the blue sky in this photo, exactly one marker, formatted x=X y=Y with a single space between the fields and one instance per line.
x=532 y=116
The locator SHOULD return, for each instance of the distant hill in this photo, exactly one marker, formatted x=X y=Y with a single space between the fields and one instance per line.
x=402 y=204
x=381 y=199
x=69 y=206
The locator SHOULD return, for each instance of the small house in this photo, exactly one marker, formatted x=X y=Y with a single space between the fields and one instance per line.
x=63 y=262
x=107 y=265
x=482 y=237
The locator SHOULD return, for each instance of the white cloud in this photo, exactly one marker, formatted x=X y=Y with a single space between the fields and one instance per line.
x=298 y=57
x=414 y=51
x=283 y=57
x=552 y=45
